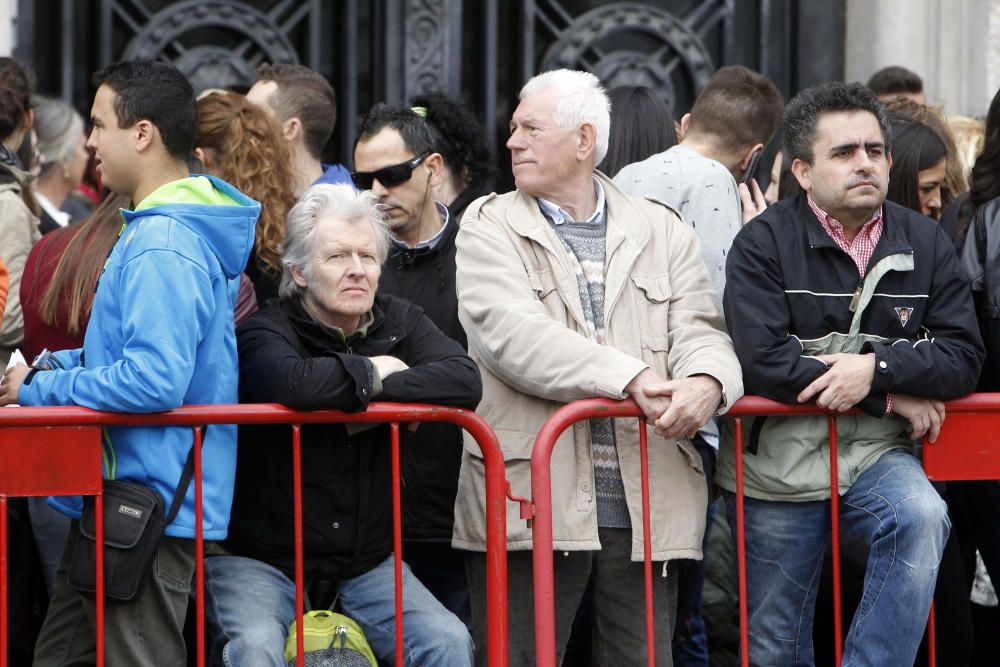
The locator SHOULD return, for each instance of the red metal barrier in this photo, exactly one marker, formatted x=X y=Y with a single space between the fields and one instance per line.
x=961 y=452
x=57 y=451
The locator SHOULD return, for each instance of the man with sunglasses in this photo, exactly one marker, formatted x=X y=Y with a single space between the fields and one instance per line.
x=395 y=157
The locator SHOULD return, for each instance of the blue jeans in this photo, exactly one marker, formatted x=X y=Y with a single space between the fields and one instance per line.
x=250 y=605
x=894 y=509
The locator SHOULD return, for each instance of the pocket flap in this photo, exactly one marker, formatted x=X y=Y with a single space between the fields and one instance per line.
x=128 y=510
x=541 y=281
x=656 y=288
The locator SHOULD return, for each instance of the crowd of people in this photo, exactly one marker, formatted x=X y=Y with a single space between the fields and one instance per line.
x=195 y=249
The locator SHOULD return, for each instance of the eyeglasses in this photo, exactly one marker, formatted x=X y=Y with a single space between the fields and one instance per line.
x=391 y=176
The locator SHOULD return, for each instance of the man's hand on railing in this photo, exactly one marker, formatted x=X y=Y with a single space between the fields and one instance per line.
x=846 y=382
x=693 y=401
x=10 y=387
x=925 y=415
x=652 y=406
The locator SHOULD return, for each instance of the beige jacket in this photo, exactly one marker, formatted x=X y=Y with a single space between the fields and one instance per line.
x=18 y=232
x=520 y=305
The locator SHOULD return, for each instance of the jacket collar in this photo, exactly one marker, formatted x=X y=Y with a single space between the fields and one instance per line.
x=626 y=223
x=894 y=239
x=382 y=331
x=628 y=233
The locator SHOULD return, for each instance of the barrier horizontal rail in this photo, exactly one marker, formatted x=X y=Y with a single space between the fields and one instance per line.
x=967 y=458
x=77 y=470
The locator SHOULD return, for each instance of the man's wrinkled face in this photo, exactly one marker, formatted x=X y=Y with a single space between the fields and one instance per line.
x=339 y=282
x=542 y=154
x=404 y=202
x=114 y=147
x=850 y=168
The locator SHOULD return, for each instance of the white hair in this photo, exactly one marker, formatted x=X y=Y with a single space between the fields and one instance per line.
x=59 y=128
x=580 y=99
x=339 y=201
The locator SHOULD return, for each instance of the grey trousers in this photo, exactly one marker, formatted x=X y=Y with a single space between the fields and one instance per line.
x=148 y=631
x=619 y=617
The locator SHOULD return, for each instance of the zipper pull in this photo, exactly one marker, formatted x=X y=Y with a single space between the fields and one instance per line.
x=857 y=296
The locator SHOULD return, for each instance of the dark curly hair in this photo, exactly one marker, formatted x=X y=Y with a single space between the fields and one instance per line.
x=804 y=110
x=16 y=87
x=458 y=137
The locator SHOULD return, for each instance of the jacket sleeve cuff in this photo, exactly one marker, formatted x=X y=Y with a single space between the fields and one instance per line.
x=882 y=382
x=875 y=405
x=375 y=379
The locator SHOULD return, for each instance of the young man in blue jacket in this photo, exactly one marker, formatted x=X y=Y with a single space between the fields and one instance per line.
x=160 y=336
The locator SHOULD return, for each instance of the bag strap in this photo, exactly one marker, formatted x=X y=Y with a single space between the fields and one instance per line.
x=183 y=484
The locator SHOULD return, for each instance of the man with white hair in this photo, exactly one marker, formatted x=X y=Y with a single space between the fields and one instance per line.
x=331 y=342
x=569 y=289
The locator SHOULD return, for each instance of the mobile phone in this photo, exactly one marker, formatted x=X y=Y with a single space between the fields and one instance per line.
x=752 y=166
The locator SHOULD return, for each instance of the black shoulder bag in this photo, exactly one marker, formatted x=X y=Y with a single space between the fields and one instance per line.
x=133 y=527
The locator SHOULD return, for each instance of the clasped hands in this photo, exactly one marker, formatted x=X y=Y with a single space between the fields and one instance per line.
x=675 y=408
x=848 y=380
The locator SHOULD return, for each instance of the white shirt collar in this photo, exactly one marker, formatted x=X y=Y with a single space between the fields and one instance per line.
x=61 y=217
x=434 y=240
x=557 y=215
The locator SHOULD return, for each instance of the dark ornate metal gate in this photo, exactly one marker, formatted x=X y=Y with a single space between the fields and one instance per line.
x=392 y=49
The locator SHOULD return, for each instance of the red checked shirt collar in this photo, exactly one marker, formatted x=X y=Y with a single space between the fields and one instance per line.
x=863 y=246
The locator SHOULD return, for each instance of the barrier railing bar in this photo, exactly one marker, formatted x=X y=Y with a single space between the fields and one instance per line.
x=647 y=546
x=3 y=578
x=541 y=479
x=540 y=506
x=741 y=551
x=838 y=623
x=377 y=413
x=300 y=654
x=199 y=549
x=397 y=542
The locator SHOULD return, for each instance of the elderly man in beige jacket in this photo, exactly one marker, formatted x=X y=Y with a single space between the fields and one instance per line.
x=569 y=289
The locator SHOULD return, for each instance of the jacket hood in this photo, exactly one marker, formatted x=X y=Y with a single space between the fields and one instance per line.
x=221 y=215
x=12 y=178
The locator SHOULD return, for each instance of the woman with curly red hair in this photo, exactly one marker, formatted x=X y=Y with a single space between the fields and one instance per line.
x=241 y=144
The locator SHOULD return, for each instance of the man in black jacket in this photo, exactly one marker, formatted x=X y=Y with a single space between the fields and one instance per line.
x=331 y=342
x=841 y=298
x=396 y=158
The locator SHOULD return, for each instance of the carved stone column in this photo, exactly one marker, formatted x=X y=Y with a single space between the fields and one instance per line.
x=427 y=53
x=951 y=44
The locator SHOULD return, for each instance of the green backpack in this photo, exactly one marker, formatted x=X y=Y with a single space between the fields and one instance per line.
x=330 y=640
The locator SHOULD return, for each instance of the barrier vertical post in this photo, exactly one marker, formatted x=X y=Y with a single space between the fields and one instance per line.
x=838 y=630
x=199 y=549
x=4 y=619
x=397 y=542
x=741 y=548
x=931 y=639
x=99 y=587
x=647 y=547
x=300 y=657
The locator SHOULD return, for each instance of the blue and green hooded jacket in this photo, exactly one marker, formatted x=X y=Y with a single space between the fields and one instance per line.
x=161 y=336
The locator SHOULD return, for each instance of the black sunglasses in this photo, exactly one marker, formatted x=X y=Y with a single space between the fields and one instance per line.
x=391 y=176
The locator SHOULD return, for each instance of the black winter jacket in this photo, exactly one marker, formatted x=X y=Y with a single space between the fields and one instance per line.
x=430 y=467
x=289 y=358
x=981 y=263
x=788 y=282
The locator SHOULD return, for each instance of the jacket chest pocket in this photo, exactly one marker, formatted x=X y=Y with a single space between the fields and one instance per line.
x=543 y=283
x=652 y=298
